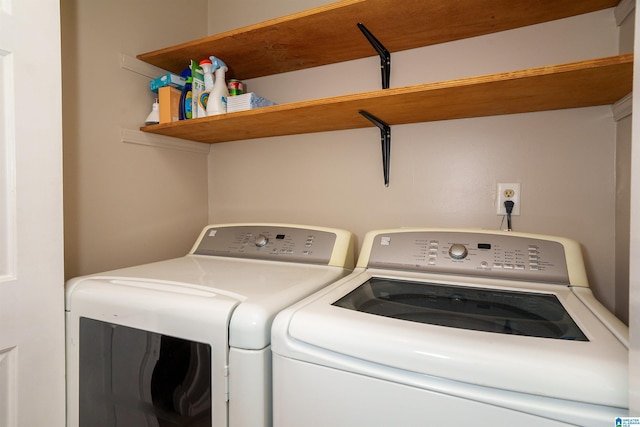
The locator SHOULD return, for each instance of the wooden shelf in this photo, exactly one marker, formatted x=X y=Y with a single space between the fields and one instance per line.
x=329 y=34
x=579 y=84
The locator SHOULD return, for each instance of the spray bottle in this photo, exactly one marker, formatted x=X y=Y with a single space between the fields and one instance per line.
x=217 y=102
x=207 y=69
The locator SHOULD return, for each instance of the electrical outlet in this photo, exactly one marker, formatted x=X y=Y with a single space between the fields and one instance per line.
x=509 y=191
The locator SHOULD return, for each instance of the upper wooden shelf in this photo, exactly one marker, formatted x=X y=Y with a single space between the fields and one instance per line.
x=329 y=34
x=579 y=84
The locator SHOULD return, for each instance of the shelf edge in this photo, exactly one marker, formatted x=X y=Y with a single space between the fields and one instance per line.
x=161 y=141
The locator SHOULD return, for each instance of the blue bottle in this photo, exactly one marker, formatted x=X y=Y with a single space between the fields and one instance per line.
x=185 y=110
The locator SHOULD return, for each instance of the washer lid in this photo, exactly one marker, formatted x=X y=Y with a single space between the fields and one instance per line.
x=491 y=310
x=593 y=371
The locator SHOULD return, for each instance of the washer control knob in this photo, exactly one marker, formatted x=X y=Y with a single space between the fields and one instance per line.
x=261 y=241
x=458 y=251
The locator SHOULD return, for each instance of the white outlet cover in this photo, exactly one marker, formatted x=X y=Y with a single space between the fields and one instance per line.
x=501 y=198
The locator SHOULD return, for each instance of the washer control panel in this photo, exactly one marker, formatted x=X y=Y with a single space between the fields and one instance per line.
x=498 y=255
x=270 y=242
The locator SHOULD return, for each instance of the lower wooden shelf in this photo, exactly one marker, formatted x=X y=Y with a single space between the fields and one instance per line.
x=579 y=84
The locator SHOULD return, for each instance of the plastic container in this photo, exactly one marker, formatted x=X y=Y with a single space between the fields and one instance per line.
x=217 y=103
x=207 y=70
x=154 y=116
x=186 y=101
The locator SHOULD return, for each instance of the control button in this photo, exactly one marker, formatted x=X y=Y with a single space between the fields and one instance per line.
x=261 y=241
x=433 y=253
x=458 y=251
x=508 y=266
x=432 y=261
x=497 y=265
x=457 y=299
x=519 y=267
x=484 y=265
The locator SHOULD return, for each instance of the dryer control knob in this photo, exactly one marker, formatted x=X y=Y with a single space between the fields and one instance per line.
x=261 y=241
x=458 y=251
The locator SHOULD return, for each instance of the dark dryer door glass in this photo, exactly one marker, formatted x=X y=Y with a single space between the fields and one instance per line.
x=480 y=309
x=130 y=377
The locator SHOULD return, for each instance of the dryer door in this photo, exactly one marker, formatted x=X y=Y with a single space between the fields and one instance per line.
x=146 y=353
x=130 y=376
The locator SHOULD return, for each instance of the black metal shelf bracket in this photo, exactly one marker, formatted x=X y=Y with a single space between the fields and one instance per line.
x=385 y=56
x=385 y=139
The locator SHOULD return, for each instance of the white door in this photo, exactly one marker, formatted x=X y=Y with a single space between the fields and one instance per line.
x=31 y=239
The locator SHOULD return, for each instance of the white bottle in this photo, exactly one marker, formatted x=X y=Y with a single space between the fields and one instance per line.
x=154 y=116
x=207 y=70
x=217 y=102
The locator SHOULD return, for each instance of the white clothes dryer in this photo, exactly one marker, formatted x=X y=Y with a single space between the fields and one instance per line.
x=186 y=342
x=452 y=327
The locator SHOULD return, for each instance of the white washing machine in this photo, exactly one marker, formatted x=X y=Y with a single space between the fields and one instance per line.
x=186 y=342
x=440 y=327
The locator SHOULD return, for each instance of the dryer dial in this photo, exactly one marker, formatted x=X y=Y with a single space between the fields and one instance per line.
x=261 y=240
x=458 y=251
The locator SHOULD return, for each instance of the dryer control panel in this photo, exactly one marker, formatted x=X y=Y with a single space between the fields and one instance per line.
x=274 y=242
x=495 y=255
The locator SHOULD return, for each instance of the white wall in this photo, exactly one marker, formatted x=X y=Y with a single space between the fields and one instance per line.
x=442 y=173
x=125 y=204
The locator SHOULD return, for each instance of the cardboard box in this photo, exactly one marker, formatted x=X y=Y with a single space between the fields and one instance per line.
x=169 y=100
